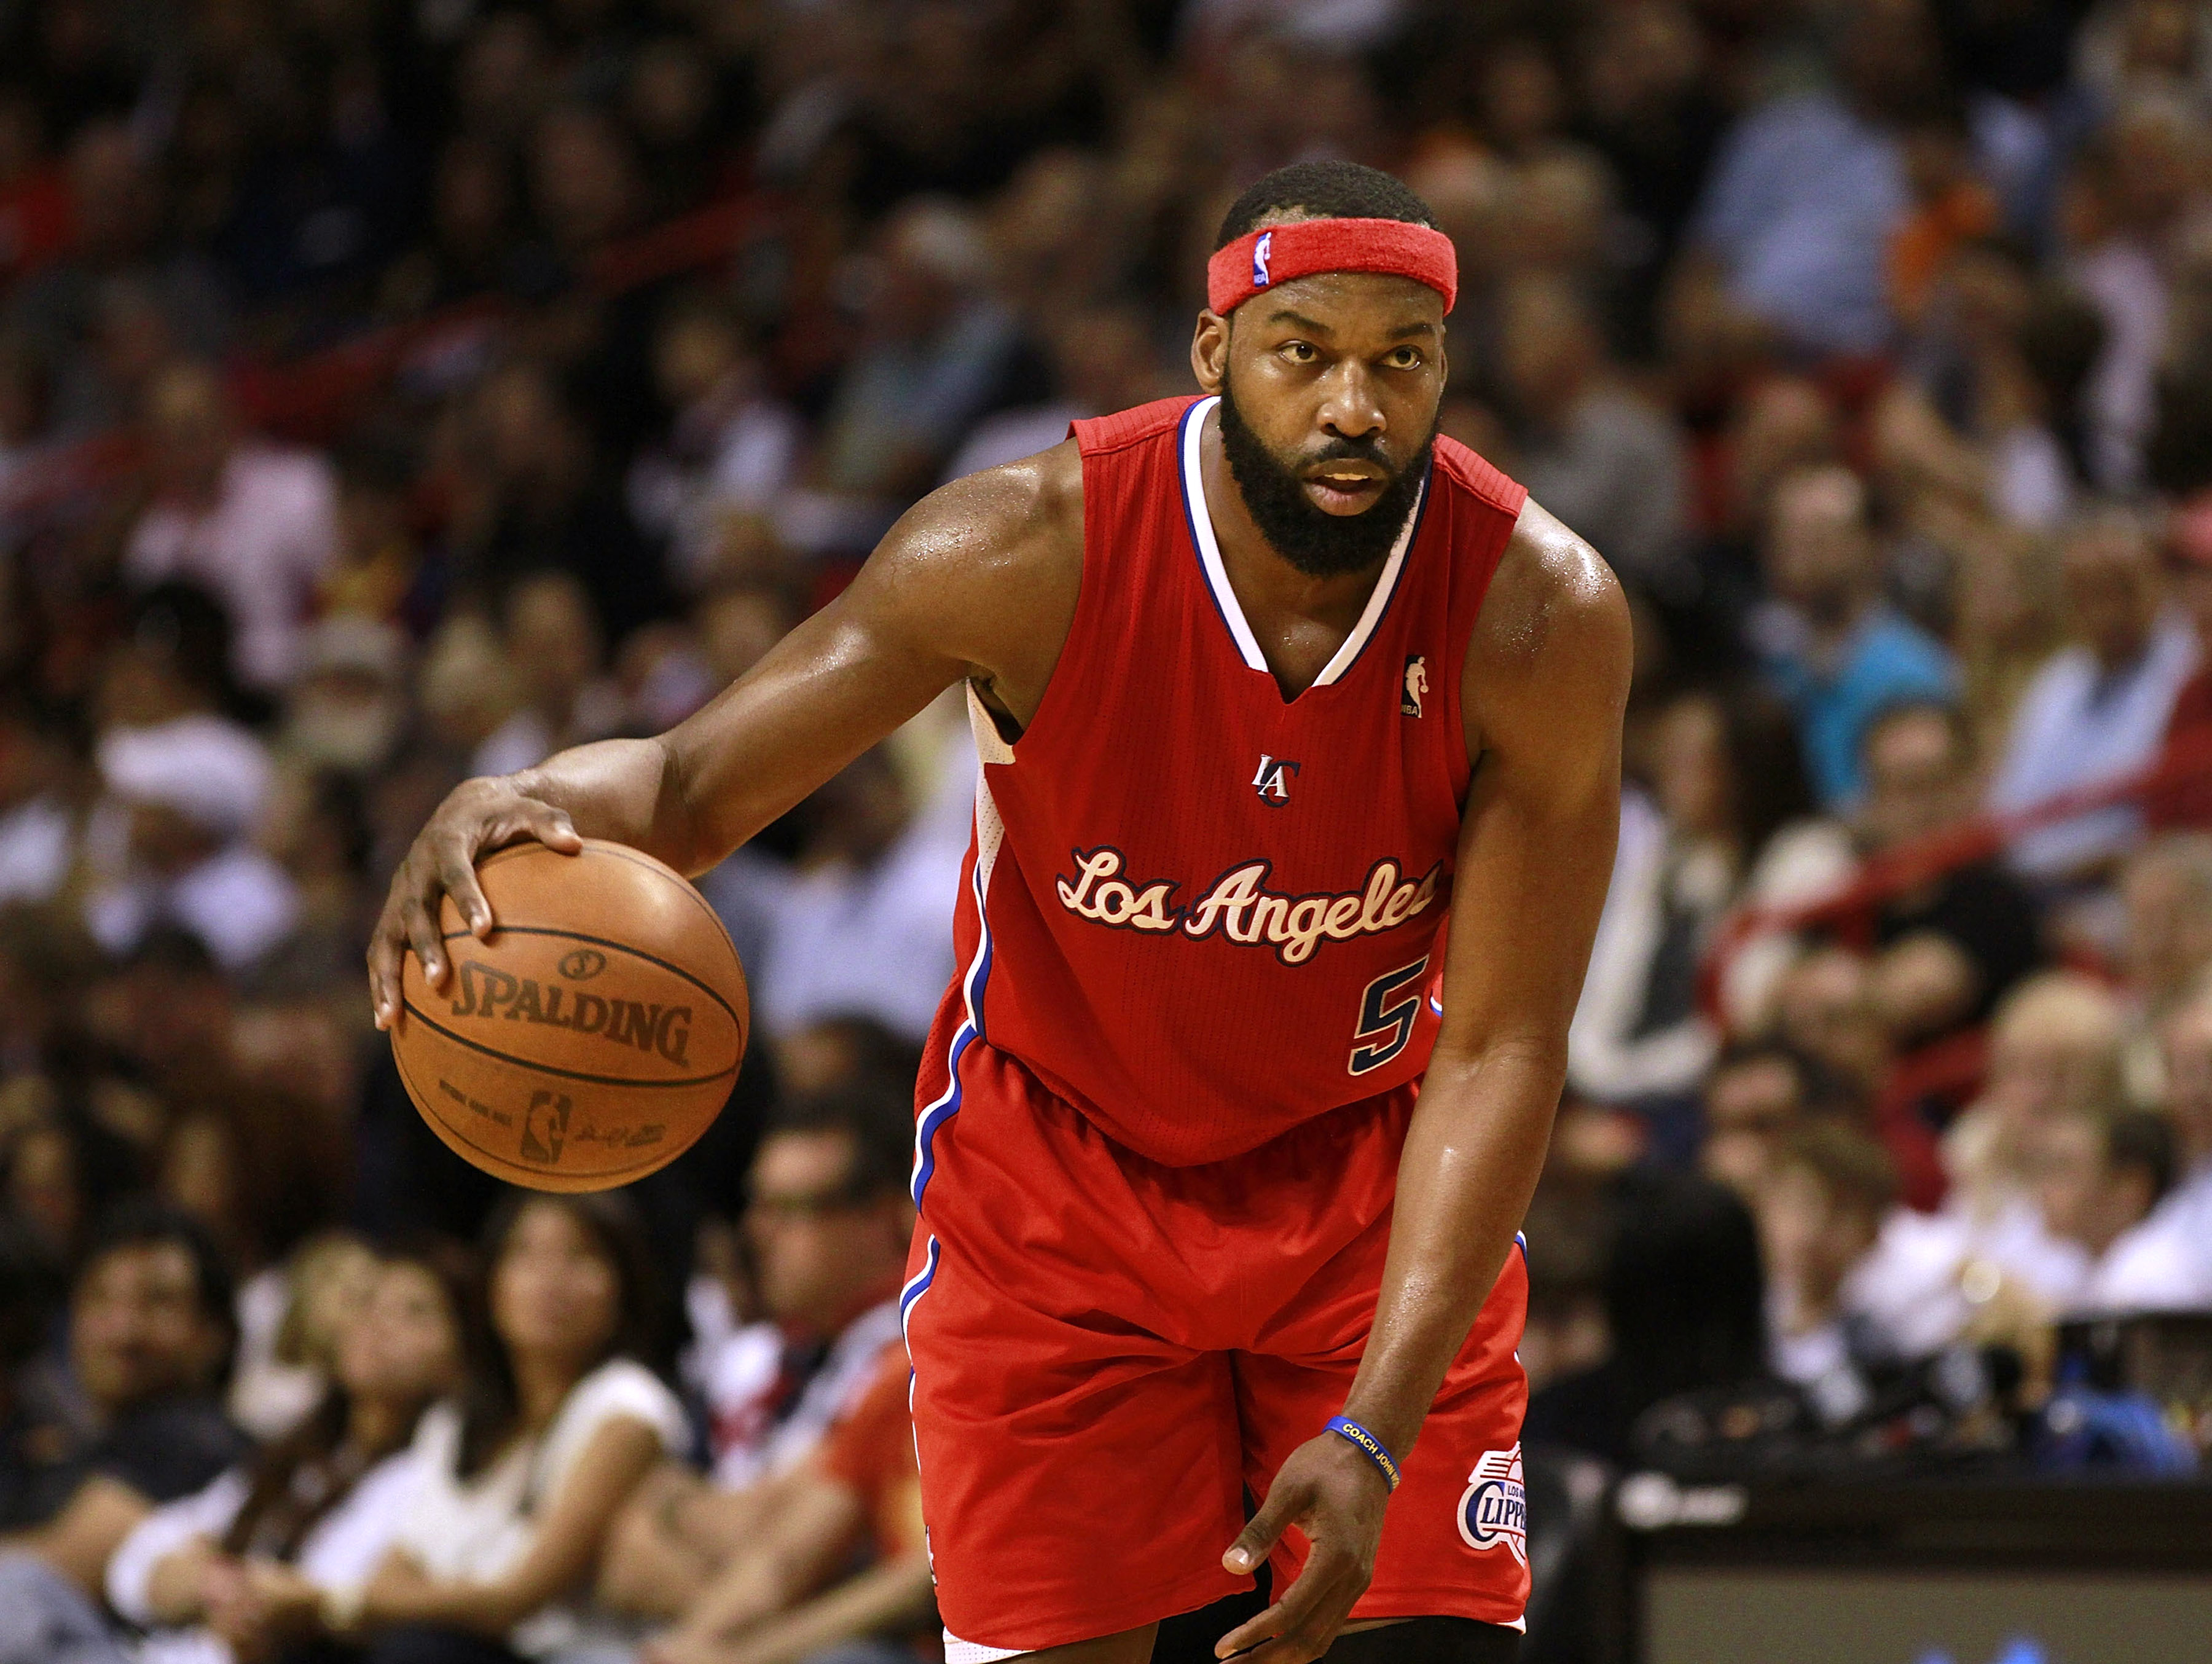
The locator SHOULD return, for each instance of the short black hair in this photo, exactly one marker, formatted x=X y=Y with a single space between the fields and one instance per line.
x=1323 y=190
x=877 y=1114
x=142 y=1221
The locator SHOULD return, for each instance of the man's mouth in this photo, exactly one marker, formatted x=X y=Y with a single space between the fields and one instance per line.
x=1342 y=488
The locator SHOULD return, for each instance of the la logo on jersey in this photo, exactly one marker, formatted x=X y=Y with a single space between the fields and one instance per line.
x=1416 y=684
x=1494 y=1507
x=1262 y=252
x=1273 y=782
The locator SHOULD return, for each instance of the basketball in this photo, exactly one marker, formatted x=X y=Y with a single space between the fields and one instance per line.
x=593 y=1038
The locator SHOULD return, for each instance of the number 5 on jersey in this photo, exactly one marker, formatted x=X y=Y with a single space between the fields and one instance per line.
x=1387 y=1011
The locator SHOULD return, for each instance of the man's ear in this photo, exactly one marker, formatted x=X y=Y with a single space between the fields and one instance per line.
x=1209 y=351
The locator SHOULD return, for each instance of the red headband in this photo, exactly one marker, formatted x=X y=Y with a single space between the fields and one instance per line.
x=1262 y=259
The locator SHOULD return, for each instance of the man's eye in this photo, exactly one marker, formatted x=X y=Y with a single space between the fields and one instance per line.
x=1298 y=352
x=1405 y=358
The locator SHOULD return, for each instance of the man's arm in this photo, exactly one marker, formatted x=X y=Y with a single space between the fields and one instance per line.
x=888 y=1596
x=78 y=1541
x=1546 y=683
x=977 y=580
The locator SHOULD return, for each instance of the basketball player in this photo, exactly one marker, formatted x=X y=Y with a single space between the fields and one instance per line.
x=1221 y=1153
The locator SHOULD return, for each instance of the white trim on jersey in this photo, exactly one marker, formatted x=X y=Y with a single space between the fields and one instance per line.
x=1216 y=575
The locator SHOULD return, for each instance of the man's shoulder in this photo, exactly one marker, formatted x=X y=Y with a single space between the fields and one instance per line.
x=168 y=1449
x=1460 y=468
x=1140 y=423
x=1896 y=648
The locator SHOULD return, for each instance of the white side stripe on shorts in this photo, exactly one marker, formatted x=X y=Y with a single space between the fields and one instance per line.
x=957 y=1651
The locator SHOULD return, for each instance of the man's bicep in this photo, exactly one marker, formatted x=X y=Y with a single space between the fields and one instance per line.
x=960 y=587
x=1536 y=844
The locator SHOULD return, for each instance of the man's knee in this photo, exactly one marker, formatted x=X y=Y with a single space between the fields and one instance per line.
x=1428 y=1641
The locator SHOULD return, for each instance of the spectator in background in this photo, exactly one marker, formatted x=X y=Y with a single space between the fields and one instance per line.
x=2184 y=798
x=258 y=1563
x=150 y=1334
x=1949 y=948
x=934 y=344
x=554 y=645
x=1725 y=789
x=1103 y=360
x=860 y=927
x=257 y=526
x=1834 y=649
x=38 y=822
x=2097 y=1176
x=2097 y=713
x=117 y=215
x=537 y=494
x=1611 y=463
x=1825 y=1006
x=2054 y=1046
x=2165 y=1263
x=520 y=1479
x=2166 y=894
x=347 y=709
x=182 y=797
x=377 y=572
x=830 y=1220
x=1806 y=191
x=1759 y=1093
x=733 y=448
x=289 y=1319
x=1820 y=1215
x=260 y=1170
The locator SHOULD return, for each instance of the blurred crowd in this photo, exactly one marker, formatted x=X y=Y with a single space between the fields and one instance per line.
x=392 y=393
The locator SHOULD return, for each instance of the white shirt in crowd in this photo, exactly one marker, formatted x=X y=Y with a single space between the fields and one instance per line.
x=262 y=550
x=34 y=849
x=1606 y=1058
x=1915 y=1285
x=2165 y=1262
x=877 y=941
x=268 y=1398
x=2078 y=728
x=340 y=1551
x=476 y=1529
x=238 y=902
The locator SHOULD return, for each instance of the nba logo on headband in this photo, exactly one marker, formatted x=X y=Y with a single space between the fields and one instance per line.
x=1261 y=250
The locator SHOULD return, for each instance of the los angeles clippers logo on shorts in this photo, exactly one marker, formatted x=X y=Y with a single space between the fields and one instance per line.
x=1494 y=1507
x=1262 y=252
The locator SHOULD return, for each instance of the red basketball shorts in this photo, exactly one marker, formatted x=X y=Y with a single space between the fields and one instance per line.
x=1108 y=1354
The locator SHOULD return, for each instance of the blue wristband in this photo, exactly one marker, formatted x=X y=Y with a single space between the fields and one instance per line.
x=1344 y=1428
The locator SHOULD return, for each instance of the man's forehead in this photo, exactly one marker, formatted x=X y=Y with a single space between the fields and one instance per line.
x=1347 y=303
x=157 y=1261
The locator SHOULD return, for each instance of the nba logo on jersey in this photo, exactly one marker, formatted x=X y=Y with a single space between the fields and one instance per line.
x=1494 y=1507
x=1262 y=252
x=1416 y=684
x=1273 y=781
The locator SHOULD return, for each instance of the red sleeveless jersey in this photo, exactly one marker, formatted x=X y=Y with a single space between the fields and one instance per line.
x=1201 y=913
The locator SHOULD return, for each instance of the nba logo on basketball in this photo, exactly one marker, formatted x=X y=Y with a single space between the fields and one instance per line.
x=1262 y=252
x=1494 y=1507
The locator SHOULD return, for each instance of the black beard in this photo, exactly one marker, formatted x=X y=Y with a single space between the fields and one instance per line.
x=1318 y=542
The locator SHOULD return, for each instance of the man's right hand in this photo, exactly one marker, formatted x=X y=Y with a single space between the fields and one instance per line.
x=477 y=816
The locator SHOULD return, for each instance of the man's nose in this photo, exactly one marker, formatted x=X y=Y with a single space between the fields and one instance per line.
x=1349 y=407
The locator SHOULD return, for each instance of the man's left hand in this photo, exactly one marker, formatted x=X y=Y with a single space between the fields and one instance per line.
x=1331 y=1491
